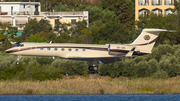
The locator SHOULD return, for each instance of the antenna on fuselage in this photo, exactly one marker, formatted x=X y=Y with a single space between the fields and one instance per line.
x=50 y=41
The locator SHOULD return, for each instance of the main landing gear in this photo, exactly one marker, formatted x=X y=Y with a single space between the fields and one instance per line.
x=93 y=68
x=19 y=57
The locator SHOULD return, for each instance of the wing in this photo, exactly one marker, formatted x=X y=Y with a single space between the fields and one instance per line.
x=105 y=60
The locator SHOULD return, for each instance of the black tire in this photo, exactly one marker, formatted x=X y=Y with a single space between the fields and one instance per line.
x=91 y=68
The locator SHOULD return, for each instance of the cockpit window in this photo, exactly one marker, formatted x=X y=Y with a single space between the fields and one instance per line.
x=19 y=45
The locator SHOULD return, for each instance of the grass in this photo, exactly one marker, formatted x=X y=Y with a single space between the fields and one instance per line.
x=95 y=84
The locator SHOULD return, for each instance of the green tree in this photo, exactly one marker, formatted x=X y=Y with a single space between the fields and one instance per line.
x=4 y=38
x=124 y=9
x=12 y=31
x=80 y=25
x=33 y=27
x=98 y=13
x=37 y=38
x=62 y=27
x=110 y=32
x=61 y=7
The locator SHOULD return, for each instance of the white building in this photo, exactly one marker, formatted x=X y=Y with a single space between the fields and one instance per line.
x=19 y=13
x=20 y=8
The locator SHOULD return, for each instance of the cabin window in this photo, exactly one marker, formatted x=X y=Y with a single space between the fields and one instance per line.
x=84 y=50
x=55 y=49
x=62 y=49
x=76 y=50
x=41 y=48
x=69 y=49
x=48 y=48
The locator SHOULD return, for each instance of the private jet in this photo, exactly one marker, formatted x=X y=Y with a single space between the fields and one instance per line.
x=92 y=53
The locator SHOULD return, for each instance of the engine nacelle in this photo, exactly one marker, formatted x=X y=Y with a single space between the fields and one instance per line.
x=115 y=49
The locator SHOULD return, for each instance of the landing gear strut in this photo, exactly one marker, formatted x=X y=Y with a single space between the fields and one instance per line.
x=93 y=68
x=19 y=57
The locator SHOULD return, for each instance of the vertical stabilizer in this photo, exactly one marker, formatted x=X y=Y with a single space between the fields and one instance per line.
x=146 y=40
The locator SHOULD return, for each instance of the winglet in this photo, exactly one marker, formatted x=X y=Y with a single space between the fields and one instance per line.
x=130 y=53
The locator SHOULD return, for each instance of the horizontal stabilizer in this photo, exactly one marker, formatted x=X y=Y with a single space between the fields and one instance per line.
x=130 y=53
x=162 y=31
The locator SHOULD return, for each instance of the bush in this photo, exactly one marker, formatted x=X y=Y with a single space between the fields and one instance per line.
x=112 y=69
x=9 y=73
x=142 y=69
x=41 y=73
x=71 y=67
x=161 y=50
x=44 y=60
x=160 y=74
x=154 y=65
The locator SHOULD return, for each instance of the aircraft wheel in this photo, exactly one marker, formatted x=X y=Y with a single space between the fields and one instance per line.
x=17 y=63
x=91 y=68
x=95 y=68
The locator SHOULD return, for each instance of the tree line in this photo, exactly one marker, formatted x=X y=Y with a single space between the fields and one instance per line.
x=162 y=63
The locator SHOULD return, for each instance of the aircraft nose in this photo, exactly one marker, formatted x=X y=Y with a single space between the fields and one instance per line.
x=8 y=51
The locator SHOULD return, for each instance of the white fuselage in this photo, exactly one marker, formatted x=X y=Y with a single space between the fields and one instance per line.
x=108 y=53
x=69 y=50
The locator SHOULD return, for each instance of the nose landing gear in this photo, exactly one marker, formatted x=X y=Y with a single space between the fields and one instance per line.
x=19 y=57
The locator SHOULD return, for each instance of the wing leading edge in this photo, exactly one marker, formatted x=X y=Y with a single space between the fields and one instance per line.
x=105 y=60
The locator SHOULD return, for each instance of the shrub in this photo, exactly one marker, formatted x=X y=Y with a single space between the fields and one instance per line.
x=9 y=73
x=142 y=69
x=161 y=50
x=71 y=67
x=101 y=90
x=154 y=65
x=44 y=60
x=40 y=73
x=160 y=74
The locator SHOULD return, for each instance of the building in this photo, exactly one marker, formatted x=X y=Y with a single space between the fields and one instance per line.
x=155 y=6
x=19 y=13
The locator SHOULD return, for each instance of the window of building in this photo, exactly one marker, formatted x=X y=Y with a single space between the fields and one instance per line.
x=62 y=49
x=76 y=50
x=169 y=2
x=69 y=49
x=167 y=12
x=55 y=49
x=56 y=21
x=157 y=11
x=83 y=50
x=156 y=2
x=143 y=2
x=73 y=21
x=11 y=10
x=48 y=48
x=41 y=48
x=143 y=11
